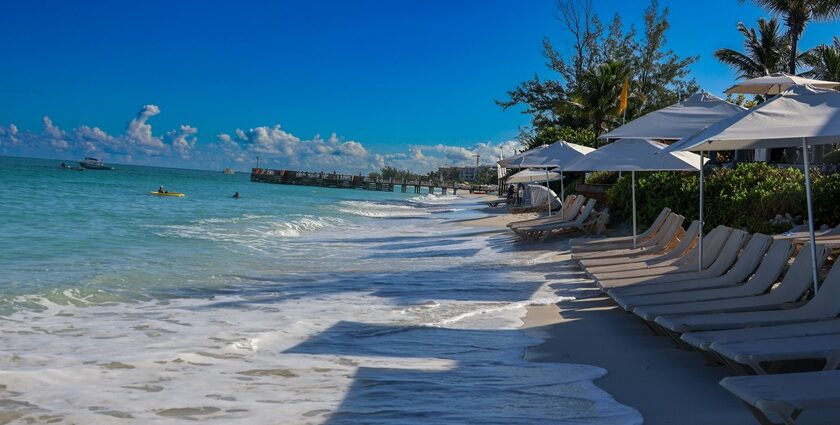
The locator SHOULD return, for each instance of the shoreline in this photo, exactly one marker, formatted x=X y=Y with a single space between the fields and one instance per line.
x=644 y=371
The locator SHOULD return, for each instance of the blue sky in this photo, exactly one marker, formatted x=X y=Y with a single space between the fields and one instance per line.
x=393 y=77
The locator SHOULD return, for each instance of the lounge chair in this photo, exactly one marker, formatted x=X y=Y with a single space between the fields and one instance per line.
x=712 y=244
x=737 y=275
x=579 y=245
x=753 y=252
x=786 y=395
x=544 y=231
x=805 y=234
x=704 y=340
x=721 y=260
x=823 y=305
x=669 y=237
x=745 y=311
x=762 y=355
x=570 y=209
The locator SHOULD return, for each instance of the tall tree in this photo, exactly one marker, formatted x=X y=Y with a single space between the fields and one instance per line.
x=658 y=76
x=765 y=51
x=824 y=61
x=797 y=14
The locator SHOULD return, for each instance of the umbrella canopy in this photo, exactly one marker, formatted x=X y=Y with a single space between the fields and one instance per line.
x=679 y=120
x=635 y=155
x=557 y=154
x=777 y=83
x=530 y=176
x=799 y=112
x=801 y=115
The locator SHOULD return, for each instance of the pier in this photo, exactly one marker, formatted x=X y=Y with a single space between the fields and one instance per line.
x=344 y=181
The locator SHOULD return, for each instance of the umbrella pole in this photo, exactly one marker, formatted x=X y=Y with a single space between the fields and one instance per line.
x=633 y=179
x=810 y=214
x=700 y=234
x=547 y=193
x=562 y=197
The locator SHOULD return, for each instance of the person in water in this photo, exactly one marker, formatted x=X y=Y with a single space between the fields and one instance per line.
x=236 y=195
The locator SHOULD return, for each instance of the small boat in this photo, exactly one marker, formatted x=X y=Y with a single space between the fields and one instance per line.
x=175 y=194
x=229 y=170
x=94 y=164
x=65 y=166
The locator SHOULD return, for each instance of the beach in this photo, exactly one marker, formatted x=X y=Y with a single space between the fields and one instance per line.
x=665 y=384
x=321 y=306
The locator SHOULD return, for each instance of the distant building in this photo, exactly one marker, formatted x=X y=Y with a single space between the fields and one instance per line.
x=464 y=174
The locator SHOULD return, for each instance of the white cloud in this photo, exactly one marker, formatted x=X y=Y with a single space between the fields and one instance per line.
x=276 y=147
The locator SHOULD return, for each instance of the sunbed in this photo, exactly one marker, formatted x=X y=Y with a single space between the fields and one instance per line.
x=704 y=340
x=579 y=245
x=712 y=244
x=741 y=312
x=823 y=305
x=721 y=259
x=755 y=249
x=571 y=209
x=761 y=356
x=671 y=238
x=545 y=230
x=738 y=274
x=805 y=234
x=785 y=395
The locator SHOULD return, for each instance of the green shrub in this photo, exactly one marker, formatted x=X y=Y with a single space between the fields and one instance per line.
x=748 y=196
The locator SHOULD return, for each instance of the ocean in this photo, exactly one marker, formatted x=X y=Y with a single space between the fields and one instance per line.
x=290 y=305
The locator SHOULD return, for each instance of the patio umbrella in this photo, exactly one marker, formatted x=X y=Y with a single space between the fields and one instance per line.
x=635 y=155
x=677 y=121
x=555 y=155
x=533 y=176
x=777 y=83
x=799 y=116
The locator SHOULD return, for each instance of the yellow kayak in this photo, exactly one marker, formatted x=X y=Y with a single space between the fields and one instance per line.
x=176 y=194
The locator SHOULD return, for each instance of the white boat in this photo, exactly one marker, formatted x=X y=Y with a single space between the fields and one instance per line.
x=94 y=164
x=229 y=170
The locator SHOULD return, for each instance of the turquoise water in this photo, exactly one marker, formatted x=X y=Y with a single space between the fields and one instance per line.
x=291 y=305
x=101 y=234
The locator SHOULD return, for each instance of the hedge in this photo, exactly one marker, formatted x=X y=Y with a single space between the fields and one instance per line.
x=749 y=197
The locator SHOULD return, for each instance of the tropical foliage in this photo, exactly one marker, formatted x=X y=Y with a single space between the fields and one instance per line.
x=592 y=72
x=765 y=50
x=749 y=196
x=824 y=61
x=796 y=15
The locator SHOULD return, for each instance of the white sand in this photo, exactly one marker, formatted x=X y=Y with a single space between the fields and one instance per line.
x=666 y=384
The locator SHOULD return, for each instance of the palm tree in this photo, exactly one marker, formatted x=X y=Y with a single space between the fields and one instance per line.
x=765 y=52
x=824 y=61
x=797 y=14
x=597 y=93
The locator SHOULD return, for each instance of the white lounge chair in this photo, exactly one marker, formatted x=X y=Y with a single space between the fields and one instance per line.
x=670 y=241
x=785 y=396
x=721 y=260
x=704 y=340
x=742 y=312
x=544 y=231
x=580 y=245
x=753 y=252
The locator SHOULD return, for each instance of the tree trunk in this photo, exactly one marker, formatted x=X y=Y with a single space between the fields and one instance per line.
x=794 y=41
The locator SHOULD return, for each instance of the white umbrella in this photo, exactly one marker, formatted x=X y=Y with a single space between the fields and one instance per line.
x=801 y=115
x=532 y=176
x=555 y=155
x=777 y=83
x=679 y=120
x=635 y=155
